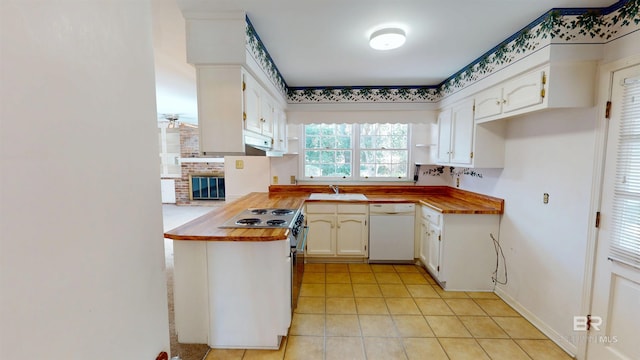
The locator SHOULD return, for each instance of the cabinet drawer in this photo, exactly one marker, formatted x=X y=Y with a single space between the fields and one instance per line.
x=352 y=208
x=321 y=208
x=431 y=215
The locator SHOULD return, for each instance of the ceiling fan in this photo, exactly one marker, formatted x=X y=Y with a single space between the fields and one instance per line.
x=173 y=120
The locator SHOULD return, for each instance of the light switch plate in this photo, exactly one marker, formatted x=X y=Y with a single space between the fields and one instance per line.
x=239 y=164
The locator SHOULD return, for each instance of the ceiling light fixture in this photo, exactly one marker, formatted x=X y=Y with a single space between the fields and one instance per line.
x=387 y=39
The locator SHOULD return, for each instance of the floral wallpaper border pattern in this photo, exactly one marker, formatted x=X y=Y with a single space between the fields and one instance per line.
x=260 y=54
x=582 y=25
x=439 y=170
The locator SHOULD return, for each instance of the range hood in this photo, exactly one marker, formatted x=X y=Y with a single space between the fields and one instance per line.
x=259 y=145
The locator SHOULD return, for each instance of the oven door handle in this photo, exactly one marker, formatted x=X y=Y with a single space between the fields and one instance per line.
x=301 y=244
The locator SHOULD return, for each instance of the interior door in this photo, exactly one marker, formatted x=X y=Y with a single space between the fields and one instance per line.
x=615 y=311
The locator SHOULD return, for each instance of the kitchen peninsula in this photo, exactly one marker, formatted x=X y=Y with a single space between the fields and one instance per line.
x=232 y=286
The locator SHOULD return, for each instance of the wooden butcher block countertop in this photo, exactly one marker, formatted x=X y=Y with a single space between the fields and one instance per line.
x=440 y=198
x=206 y=227
x=444 y=199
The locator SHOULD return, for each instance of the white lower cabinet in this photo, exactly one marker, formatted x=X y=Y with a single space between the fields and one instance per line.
x=225 y=305
x=352 y=235
x=337 y=230
x=321 y=239
x=433 y=251
x=457 y=249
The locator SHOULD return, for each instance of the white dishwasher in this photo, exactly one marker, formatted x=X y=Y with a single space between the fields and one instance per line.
x=391 y=232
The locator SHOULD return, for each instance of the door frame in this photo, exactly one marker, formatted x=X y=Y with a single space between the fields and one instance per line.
x=603 y=87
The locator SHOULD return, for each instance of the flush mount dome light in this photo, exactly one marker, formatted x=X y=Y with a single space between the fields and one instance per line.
x=387 y=39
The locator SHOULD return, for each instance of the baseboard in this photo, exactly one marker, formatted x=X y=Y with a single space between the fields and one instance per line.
x=553 y=335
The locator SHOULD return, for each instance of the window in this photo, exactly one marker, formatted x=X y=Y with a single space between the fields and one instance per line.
x=625 y=237
x=383 y=150
x=356 y=151
x=328 y=150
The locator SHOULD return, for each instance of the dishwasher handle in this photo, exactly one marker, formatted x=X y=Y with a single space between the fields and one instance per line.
x=391 y=213
x=392 y=209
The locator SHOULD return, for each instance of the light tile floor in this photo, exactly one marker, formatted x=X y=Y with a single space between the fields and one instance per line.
x=361 y=311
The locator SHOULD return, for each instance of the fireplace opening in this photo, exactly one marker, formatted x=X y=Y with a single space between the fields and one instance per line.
x=206 y=187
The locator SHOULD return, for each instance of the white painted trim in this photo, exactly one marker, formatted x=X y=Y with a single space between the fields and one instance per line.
x=201 y=160
x=605 y=77
x=539 y=324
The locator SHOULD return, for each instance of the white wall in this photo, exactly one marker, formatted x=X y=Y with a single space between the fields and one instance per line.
x=81 y=245
x=545 y=244
x=175 y=79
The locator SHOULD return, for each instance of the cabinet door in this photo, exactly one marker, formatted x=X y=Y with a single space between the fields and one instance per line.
x=462 y=133
x=251 y=104
x=433 y=261
x=280 y=130
x=267 y=114
x=321 y=236
x=424 y=242
x=352 y=235
x=523 y=92
x=488 y=103
x=444 y=136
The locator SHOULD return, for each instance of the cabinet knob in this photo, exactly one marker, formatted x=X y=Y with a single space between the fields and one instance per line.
x=504 y=101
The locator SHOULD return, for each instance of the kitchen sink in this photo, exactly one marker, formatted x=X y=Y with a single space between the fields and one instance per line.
x=337 y=197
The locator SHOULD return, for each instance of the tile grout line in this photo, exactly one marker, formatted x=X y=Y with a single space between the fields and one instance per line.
x=390 y=314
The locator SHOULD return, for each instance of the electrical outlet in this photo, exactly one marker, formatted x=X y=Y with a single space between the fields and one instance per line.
x=457 y=182
x=545 y=198
x=275 y=180
x=292 y=180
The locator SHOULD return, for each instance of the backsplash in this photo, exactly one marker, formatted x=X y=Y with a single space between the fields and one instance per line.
x=448 y=175
x=557 y=26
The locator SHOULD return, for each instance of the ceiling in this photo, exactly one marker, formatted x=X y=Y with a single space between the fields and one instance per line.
x=325 y=42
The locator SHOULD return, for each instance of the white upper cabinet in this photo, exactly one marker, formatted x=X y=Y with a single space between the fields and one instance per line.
x=462 y=133
x=489 y=103
x=462 y=142
x=220 y=109
x=444 y=137
x=455 y=140
x=259 y=108
x=554 y=85
x=280 y=131
x=516 y=94
x=231 y=103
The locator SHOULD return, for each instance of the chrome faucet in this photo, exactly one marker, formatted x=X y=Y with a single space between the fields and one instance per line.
x=335 y=189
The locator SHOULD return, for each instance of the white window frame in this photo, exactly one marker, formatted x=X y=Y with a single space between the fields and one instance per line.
x=167 y=157
x=303 y=152
x=355 y=159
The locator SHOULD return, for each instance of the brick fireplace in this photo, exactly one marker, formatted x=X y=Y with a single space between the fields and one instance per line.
x=190 y=150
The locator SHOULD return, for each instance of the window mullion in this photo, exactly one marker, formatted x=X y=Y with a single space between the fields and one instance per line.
x=355 y=161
